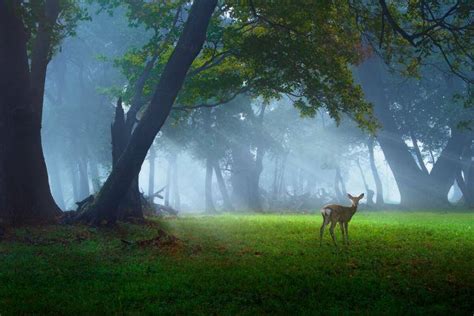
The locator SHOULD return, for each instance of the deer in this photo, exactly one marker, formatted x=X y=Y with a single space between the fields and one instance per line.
x=334 y=213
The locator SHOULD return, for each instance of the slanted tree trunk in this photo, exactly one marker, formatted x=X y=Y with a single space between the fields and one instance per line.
x=127 y=168
x=131 y=203
x=379 y=201
x=408 y=176
x=419 y=157
x=443 y=173
x=222 y=187
x=210 y=208
x=465 y=176
x=25 y=196
x=369 y=193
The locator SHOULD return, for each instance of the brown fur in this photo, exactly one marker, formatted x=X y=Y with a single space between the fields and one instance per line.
x=334 y=213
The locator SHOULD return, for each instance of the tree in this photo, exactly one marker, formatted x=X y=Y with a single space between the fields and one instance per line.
x=422 y=113
x=80 y=96
x=29 y=33
x=188 y=47
x=379 y=200
x=421 y=32
x=236 y=57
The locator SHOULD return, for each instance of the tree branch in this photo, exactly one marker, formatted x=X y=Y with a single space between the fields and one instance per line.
x=212 y=105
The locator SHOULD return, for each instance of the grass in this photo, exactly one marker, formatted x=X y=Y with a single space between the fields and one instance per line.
x=398 y=263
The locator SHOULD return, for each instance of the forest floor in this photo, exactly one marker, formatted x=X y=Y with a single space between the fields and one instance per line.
x=398 y=263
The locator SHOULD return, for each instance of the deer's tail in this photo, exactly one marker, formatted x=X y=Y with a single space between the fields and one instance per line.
x=326 y=211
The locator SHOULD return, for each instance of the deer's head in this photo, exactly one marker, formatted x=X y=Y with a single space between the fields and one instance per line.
x=355 y=199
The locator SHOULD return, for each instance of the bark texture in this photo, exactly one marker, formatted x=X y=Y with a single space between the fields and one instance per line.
x=131 y=204
x=25 y=195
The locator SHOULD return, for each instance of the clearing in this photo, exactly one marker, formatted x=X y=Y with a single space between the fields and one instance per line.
x=417 y=262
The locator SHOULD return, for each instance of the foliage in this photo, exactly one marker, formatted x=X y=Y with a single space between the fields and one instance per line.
x=398 y=263
x=417 y=32
x=261 y=48
x=71 y=13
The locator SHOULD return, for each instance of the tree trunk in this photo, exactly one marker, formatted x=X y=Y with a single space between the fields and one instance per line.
x=379 y=201
x=255 y=203
x=337 y=189
x=168 y=184
x=275 y=182
x=465 y=176
x=255 y=196
x=175 y=186
x=408 y=176
x=210 y=208
x=26 y=196
x=56 y=184
x=74 y=176
x=281 y=182
x=84 y=190
x=246 y=171
x=340 y=186
x=244 y=179
x=368 y=192
x=130 y=206
x=341 y=181
x=222 y=187
x=465 y=181
x=94 y=175
x=419 y=157
x=151 y=175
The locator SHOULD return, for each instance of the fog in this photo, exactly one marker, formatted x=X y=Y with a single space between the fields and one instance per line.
x=264 y=148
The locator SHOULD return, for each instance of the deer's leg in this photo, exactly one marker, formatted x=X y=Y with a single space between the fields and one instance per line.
x=346 y=225
x=321 y=230
x=341 y=225
x=331 y=230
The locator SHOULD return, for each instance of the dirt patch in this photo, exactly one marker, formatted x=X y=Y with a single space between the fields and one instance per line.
x=162 y=240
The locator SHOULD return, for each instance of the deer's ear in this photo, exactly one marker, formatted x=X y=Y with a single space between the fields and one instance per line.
x=349 y=196
x=361 y=196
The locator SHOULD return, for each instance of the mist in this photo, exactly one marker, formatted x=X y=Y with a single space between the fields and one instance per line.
x=205 y=157
x=261 y=146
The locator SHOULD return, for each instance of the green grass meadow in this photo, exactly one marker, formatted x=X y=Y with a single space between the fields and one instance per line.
x=397 y=263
